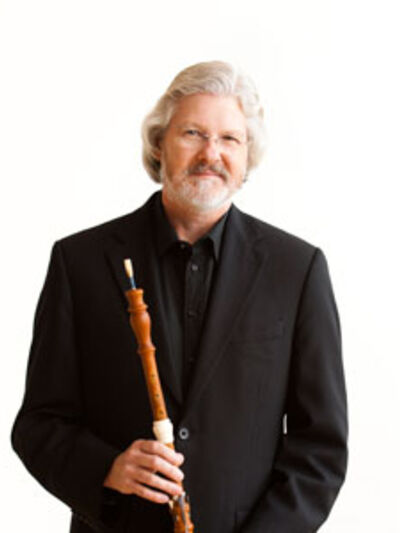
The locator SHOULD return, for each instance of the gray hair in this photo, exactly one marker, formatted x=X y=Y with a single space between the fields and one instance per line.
x=213 y=77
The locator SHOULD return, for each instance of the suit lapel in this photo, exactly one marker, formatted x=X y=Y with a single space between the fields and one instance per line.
x=236 y=277
x=134 y=240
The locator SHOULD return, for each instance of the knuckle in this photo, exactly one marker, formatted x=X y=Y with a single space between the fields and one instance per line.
x=173 y=472
x=167 y=485
x=172 y=488
x=153 y=446
x=167 y=470
x=140 y=490
x=148 y=494
x=180 y=459
x=156 y=463
x=135 y=444
x=180 y=475
x=151 y=495
x=147 y=477
x=129 y=471
x=131 y=453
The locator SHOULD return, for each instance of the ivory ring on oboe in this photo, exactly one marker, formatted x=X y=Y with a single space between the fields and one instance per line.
x=163 y=430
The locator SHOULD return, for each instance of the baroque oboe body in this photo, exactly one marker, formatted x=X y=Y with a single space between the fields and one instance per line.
x=162 y=427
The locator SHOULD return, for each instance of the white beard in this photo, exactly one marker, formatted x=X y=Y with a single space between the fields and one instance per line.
x=198 y=195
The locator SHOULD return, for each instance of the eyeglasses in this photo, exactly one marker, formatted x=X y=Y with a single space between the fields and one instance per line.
x=196 y=138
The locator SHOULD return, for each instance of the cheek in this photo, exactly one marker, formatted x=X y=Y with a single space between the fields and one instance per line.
x=177 y=158
x=242 y=163
x=238 y=164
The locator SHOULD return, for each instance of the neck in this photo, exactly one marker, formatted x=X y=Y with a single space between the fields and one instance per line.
x=191 y=224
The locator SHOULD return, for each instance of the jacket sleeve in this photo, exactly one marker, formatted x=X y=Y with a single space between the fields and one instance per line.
x=49 y=433
x=310 y=464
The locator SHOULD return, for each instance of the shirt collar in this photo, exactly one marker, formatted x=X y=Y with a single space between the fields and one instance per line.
x=166 y=235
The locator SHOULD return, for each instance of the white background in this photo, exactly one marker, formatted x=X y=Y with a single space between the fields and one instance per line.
x=77 y=78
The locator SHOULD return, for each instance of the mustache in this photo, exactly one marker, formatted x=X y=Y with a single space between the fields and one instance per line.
x=199 y=168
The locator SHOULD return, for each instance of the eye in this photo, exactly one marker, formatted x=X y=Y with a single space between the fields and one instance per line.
x=192 y=132
x=231 y=139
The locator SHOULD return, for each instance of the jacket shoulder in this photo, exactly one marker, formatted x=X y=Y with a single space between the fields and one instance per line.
x=117 y=229
x=97 y=232
x=277 y=239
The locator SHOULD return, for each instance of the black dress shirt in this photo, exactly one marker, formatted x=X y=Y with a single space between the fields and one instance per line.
x=187 y=273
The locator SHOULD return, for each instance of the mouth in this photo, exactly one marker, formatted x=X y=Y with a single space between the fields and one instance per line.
x=206 y=174
x=208 y=171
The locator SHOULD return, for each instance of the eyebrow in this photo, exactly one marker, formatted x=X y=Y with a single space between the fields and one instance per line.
x=185 y=125
x=237 y=133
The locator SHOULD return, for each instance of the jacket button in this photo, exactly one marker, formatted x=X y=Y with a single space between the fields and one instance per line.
x=183 y=433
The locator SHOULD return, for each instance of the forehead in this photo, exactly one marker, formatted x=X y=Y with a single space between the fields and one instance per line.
x=210 y=111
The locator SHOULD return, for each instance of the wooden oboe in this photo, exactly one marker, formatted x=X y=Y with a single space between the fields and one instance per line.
x=162 y=427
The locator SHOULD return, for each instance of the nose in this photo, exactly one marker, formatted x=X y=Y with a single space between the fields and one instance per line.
x=211 y=150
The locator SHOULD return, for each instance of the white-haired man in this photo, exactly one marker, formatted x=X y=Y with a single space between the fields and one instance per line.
x=247 y=336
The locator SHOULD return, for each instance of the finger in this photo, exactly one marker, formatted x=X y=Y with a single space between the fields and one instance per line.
x=155 y=463
x=158 y=448
x=154 y=481
x=148 y=494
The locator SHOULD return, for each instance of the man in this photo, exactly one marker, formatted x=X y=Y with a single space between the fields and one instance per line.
x=247 y=336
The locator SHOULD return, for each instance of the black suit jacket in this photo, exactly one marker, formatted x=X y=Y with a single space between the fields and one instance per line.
x=270 y=357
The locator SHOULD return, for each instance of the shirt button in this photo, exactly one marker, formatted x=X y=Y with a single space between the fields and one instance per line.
x=194 y=267
x=183 y=433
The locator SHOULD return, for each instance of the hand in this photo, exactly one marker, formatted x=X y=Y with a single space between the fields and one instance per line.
x=135 y=471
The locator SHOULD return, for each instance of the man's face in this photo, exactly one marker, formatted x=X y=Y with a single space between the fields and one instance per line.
x=203 y=153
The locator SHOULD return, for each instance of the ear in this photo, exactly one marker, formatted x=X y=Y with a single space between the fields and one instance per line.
x=156 y=153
